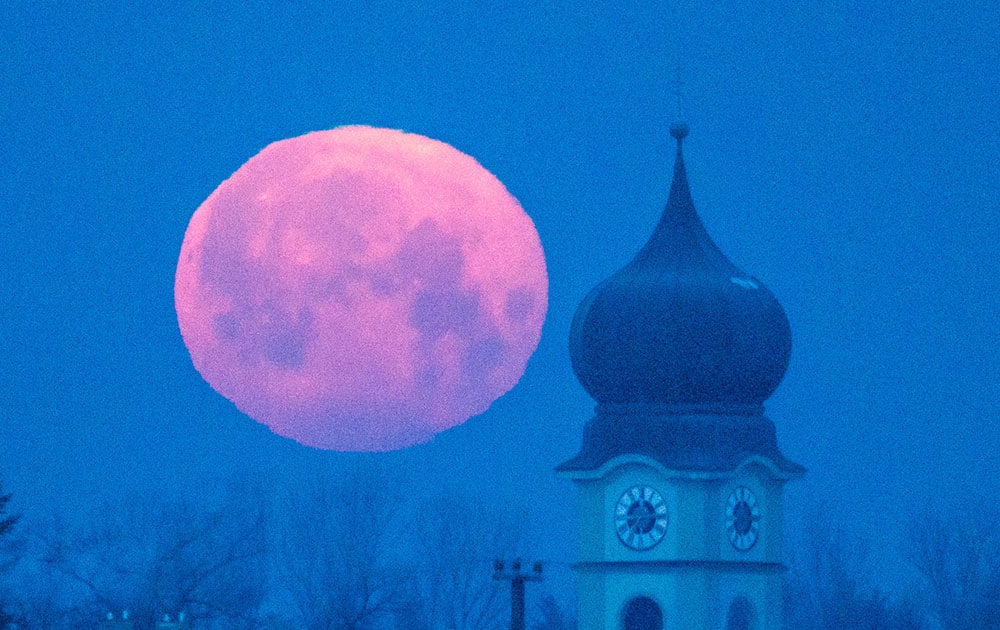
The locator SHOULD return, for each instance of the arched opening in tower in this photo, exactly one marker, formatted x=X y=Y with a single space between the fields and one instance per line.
x=741 y=615
x=642 y=613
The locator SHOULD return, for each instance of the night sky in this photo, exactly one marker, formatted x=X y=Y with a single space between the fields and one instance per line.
x=846 y=156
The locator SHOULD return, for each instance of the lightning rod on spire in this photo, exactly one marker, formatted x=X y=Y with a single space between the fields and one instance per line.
x=679 y=92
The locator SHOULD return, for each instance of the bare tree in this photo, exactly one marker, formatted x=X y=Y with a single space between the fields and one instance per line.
x=458 y=537
x=152 y=558
x=46 y=599
x=7 y=520
x=552 y=616
x=956 y=557
x=338 y=551
x=828 y=585
x=8 y=556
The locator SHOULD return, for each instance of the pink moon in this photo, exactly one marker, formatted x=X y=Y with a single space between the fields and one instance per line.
x=361 y=289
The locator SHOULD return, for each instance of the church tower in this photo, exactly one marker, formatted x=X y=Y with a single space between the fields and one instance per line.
x=679 y=477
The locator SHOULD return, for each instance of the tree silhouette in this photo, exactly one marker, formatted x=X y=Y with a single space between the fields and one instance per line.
x=337 y=553
x=152 y=557
x=956 y=557
x=7 y=523
x=7 y=520
x=827 y=586
x=458 y=538
x=551 y=615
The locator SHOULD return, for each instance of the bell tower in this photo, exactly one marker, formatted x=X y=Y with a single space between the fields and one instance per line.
x=679 y=478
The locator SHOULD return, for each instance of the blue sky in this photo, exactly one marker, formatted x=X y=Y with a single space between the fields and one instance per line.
x=845 y=154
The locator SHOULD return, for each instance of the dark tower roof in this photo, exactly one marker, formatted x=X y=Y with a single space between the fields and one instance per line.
x=680 y=324
x=680 y=349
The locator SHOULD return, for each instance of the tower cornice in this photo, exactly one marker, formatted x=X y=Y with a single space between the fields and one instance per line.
x=774 y=471
x=700 y=443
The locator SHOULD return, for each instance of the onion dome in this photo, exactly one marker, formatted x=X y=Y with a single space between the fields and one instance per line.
x=680 y=325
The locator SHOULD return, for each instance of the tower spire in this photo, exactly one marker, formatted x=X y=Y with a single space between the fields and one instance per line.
x=710 y=335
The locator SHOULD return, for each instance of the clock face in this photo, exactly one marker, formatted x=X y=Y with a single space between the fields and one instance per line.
x=641 y=517
x=742 y=518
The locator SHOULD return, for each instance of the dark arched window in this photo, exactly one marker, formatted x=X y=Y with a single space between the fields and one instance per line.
x=740 y=615
x=642 y=613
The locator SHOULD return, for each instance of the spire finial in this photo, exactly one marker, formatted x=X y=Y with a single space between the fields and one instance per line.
x=679 y=130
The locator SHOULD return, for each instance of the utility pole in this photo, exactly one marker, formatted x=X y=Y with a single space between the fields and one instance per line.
x=517 y=578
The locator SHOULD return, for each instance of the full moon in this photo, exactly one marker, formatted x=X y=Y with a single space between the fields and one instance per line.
x=361 y=289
